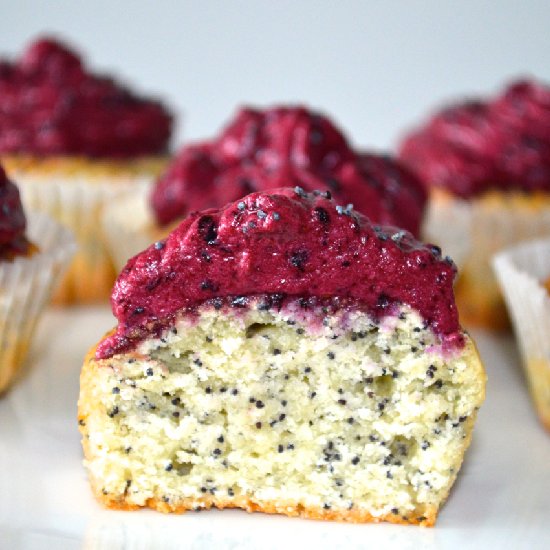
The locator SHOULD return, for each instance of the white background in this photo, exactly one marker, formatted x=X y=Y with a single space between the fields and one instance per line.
x=376 y=65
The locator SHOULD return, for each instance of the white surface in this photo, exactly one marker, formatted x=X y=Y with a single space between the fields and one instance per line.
x=501 y=499
x=376 y=65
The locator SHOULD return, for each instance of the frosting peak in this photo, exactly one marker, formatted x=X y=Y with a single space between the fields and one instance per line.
x=286 y=243
x=267 y=149
x=49 y=56
x=52 y=105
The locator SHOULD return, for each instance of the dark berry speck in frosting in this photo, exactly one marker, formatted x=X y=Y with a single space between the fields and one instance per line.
x=472 y=147
x=280 y=245
x=52 y=105
x=12 y=220
x=266 y=149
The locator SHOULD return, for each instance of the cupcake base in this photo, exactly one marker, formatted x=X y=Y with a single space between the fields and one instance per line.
x=74 y=191
x=11 y=354
x=538 y=374
x=26 y=284
x=471 y=232
x=334 y=416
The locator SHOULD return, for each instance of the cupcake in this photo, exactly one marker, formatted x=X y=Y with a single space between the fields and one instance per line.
x=261 y=150
x=487 y=163
x=32 y=259
x=523 y=272
x=282 y=354
x=73 y=141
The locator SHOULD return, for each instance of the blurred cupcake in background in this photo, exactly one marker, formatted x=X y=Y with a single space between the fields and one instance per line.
x=261 y=150
x=73 y=141
x=487 y=165
x=33 y=257
x=523 y=272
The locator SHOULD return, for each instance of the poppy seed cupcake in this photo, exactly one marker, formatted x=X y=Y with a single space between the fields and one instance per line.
x=261 y=150
x=32 y=259
x=487 y=163
x=282 y=354
x=74 y=141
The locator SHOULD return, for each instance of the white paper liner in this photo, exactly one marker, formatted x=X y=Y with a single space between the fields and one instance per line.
x=448 y=226
x=471 y=232
x=78 y=202
x=475 y=228
x=520 y=271
x=129 y=226
x=26 y=284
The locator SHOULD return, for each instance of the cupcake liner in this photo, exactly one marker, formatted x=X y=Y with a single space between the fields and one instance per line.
x=471 y=232
x=483 y=227
x=26 y=284
x=448 y=225
x=129 y=226
x=78 y=202
x=520 y=271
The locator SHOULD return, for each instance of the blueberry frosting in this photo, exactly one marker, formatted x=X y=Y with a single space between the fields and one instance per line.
x=286 y=146
x=12 y=219
x=474 y=146
x=283 y=245
x=52 y=105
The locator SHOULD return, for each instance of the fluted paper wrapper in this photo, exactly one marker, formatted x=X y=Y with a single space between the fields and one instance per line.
x=521 y=271
x=26 y=285
x=78 y=203
x=129 y=226
x=471 y=232
x=449 y=226
x=481 y=228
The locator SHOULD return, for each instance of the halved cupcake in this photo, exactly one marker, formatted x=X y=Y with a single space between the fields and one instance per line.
x=282 y=354
x=32 y=260
x=261 y=150
x=487 y=163
x=74 y=141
